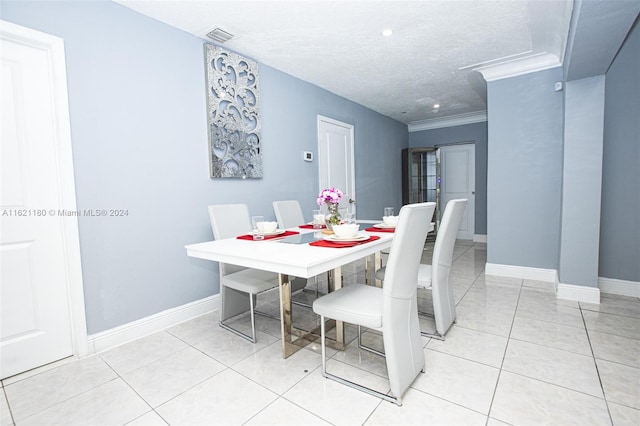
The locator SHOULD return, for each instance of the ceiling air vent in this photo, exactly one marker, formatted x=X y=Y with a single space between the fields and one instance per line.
x=219 y=35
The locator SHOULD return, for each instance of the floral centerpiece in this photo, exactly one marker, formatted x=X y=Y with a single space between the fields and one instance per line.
x=331 y=197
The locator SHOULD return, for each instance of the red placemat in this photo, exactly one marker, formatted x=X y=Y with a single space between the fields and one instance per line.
x=374 y=229
x=325 y=243
x=267 y=237
x=306 y=226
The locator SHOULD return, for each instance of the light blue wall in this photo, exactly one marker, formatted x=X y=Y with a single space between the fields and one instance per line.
x=476 y=132
x=290 y=109
x=138 y=123
x=582 y=178
x=620 y=212
x=524 y=170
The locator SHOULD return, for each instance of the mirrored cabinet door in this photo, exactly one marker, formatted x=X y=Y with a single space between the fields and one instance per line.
x=421 y=177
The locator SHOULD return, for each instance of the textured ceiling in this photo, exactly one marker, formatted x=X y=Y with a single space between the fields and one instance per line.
x=430 y=58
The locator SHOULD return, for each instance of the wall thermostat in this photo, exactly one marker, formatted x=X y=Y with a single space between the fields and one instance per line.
x=308 y=156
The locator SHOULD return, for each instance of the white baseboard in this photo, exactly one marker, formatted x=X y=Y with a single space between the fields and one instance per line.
x=480 y=238
x=579 y=293
x=145 y=326
x=567 y=291
x=620 y=287
x=523 y=272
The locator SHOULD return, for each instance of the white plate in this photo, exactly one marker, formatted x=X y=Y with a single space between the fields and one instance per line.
x=276 y=232
x=383 y=226
x=336 y=239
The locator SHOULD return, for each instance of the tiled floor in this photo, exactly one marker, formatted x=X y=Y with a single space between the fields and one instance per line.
x=517 y=355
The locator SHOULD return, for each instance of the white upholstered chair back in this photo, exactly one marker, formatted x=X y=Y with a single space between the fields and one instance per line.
x=288 y=213
x=401 y=329
x=228 y=221
x=444 y=308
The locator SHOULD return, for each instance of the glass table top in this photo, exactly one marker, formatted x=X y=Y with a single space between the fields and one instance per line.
x=310 y=237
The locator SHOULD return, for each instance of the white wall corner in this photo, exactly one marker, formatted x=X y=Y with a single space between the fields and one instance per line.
x=479 y=238
x=523 y=272
x=578 y=293
x=108 y=339
x=619 y=287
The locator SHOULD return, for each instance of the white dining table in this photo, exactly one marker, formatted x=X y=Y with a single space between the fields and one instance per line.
x=292 y=257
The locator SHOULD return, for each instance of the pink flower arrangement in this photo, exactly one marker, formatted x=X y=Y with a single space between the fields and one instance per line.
x=329 y=196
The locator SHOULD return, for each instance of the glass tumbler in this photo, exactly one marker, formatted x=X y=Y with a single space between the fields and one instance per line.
x=350 y=217
x=258 y=227
x=318 y=219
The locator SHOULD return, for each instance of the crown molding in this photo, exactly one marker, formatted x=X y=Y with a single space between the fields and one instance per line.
x=513 y=68
x=453 y=120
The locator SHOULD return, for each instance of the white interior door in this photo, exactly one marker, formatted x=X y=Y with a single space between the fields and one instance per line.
x=457 y=173
x=336 y=159
x=39 y=249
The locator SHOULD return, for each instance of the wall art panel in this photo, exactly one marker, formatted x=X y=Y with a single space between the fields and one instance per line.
x=233 y=111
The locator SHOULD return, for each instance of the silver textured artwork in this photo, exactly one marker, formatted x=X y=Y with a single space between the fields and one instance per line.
x=233 y=109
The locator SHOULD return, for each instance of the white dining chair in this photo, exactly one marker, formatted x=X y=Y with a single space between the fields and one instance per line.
x=436 y=276
x=289 y=215
x=239 y=286
x=391 y=309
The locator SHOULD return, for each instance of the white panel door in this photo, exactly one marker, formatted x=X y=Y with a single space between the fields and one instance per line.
x=36 y=326
x=336 y=159
x=457 y=174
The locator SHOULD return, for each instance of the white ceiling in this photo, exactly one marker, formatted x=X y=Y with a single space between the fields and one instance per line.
x=338 y=45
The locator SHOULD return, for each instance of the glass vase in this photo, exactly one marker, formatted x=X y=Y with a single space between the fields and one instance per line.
x=333 y=217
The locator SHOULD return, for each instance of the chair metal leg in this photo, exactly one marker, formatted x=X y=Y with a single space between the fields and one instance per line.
x=346 y=382
x=435 y=335
x=367 y=348
x=253 y=319
x=304 y=305
x=236 y=332
x=264 y=314
x=307 y=305
x=323 y=347
x=251 y=338
x=253 y=313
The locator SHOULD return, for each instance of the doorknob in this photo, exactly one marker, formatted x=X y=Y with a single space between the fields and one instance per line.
x=352 y=201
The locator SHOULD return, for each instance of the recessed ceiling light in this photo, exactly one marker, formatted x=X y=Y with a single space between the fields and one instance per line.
x=387 y=32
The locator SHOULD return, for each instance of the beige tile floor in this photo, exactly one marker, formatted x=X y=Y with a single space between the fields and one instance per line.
x=517 y=356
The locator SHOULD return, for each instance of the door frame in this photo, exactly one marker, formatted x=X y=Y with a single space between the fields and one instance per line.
x=322 y=161
x=54 y=46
